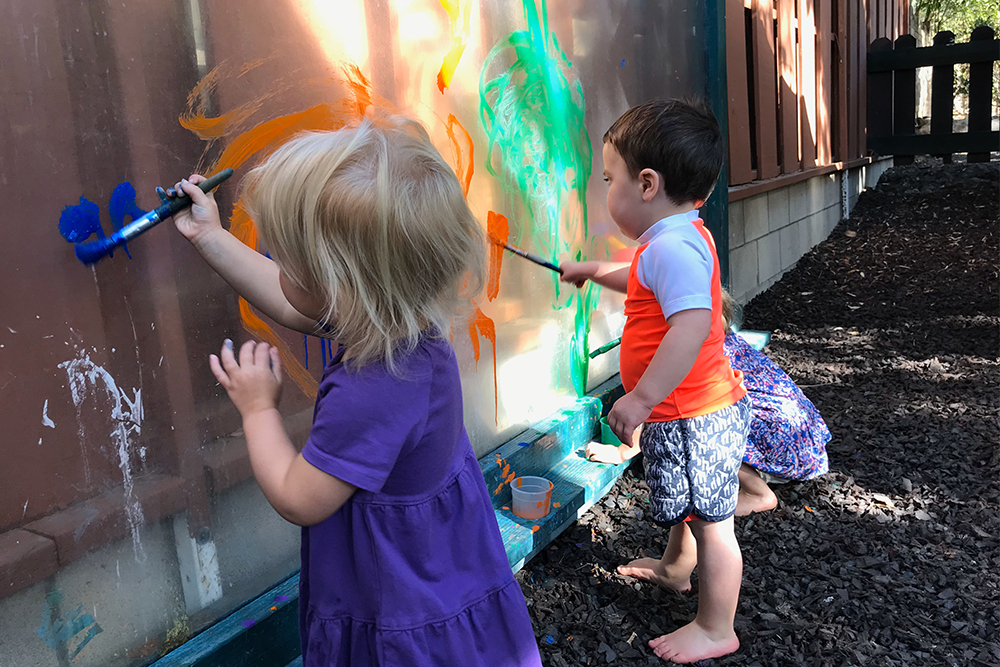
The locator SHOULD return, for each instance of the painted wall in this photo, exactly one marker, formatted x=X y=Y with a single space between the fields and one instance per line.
x=127 y=518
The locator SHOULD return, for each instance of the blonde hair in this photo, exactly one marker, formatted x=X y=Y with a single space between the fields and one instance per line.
x=730 y=309
x=372 y=220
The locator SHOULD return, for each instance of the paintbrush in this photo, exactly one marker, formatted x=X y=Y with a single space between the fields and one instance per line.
x=606 y=347
x=92 y=251
x=526 y=255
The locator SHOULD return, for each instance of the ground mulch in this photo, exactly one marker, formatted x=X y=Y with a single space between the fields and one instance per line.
x=892 y=328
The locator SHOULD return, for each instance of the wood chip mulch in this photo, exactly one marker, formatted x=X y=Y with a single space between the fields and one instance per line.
x=892 y=328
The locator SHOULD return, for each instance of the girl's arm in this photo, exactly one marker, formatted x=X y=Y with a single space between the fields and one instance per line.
x=672 y=362
x=298 y=491
x=252 y=275
x=613 y=275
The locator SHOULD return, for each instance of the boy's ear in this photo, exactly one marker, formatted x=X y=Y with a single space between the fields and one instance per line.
x=651 y=183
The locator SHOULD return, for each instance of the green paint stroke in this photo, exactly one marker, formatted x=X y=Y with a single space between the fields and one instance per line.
x=539 y=149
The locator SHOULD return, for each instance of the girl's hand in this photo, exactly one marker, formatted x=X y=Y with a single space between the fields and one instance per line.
x=577 y=273
x=254 y=382
x=627 y=414
x=202 y=217
x=600 y=453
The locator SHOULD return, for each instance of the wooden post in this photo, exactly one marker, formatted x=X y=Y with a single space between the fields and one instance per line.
x=880 y=96
x=824 y=81
x=904 y=98
x=943 y=91
x=840 y=58
x=766 y=93
x=981 y=94
x=788 y=87
x=740 y=168
x=807 y=81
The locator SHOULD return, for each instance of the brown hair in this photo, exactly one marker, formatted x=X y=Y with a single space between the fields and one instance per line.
x=679 y=139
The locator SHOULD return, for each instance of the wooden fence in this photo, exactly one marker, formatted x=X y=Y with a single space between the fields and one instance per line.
x=892 y=75
x=796 y=76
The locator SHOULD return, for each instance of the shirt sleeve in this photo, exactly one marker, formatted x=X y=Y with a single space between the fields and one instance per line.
x=678 y=271
x=363 y=421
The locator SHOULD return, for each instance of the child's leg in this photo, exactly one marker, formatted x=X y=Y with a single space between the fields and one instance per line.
x=674 y=569
x=755 y=495
x=720 y=571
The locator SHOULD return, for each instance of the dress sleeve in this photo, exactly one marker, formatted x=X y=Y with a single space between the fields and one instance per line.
x=679 y=273
x=363 y=421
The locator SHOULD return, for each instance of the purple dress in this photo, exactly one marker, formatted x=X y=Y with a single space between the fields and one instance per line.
x=787 y=434
x=411 y=572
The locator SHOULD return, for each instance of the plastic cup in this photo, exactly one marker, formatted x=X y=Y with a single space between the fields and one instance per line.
x=531 y=497
x=608 y=436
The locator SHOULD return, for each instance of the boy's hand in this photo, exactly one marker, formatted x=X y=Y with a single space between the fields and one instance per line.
x=202 y=217
x=627 y=414
x=254 y=382
x=577 y=273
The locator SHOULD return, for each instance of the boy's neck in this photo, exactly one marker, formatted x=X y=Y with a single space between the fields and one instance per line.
x=663 y=210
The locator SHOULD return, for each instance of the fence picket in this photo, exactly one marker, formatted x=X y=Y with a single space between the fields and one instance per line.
x=943 y=91
x=904 y=97
x=981 y=94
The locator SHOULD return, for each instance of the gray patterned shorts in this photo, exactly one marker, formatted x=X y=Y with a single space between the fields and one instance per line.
x=692 y=464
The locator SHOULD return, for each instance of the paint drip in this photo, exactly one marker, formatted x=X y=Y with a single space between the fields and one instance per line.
x=88 y=380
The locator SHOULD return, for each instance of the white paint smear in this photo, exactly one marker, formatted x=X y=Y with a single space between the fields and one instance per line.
x=87 y=379
x=45 y=416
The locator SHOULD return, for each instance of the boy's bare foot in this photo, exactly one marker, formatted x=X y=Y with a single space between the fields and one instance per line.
x=691 y=644
x=747 y=503
x=652 y=570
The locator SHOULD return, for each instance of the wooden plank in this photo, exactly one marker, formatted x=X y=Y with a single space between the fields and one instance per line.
x=904 y=97
x=807 y=81
x=788 y=87
x=879 y=99
x=980 y=94
x=929 y=56
x=933 y=144
x=766 y=89
x=862 y=71
x=840 y=86
x=943 y=91
x=824 y=82
x=740 y=169
x=853 y=78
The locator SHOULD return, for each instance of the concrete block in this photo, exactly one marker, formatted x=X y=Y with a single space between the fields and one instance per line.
x=831 y=218
x=736 y=224
x=831 y=189
x=743 y=268
x=777 y=209
x=768 y=256
x=800 y=201
x=812 y=231
x=790 y=243
x=755 y=217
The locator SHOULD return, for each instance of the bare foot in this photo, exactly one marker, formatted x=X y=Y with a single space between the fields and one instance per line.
x=747 y=503
x=691 y=644
x=652 y=570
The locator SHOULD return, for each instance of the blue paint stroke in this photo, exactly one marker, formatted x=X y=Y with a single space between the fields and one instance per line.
x=248 y=623
x=305 y=344
x=78 y=222
x=322 y=348
x=123 y=203
x=281 y=598
x=69 y=624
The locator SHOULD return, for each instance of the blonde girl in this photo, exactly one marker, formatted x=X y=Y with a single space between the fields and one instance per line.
x=402 y=560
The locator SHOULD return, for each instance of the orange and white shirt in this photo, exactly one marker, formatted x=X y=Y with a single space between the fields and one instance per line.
x=676 y=268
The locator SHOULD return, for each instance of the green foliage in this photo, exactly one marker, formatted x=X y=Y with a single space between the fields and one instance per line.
x=958 y=16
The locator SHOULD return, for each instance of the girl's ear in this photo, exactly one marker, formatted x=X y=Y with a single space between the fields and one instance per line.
x=650 y=183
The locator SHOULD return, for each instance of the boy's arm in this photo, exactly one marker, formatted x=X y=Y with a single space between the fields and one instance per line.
x=670 y=365
x=613 y=275
x=252 y=275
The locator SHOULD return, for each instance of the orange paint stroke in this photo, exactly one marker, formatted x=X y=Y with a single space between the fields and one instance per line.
x=458 y=15
x=486 y=328
x=242 y=227
x=463 y=168
x=535 y=529
x=498 y=230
